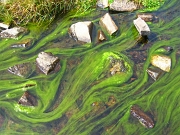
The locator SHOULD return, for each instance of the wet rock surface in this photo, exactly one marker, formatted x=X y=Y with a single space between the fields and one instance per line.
x=27 y=99
x=108 y=24
x=13 y=32
x=46 y=62
x=161 y=61
x=81 y=31
x=102 y=3
x=117 y=66
x=141 y=26
x=23 y=70
x=147 y=17
x=123 y=5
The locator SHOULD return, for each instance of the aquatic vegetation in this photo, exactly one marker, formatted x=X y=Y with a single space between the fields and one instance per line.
x=75 y=100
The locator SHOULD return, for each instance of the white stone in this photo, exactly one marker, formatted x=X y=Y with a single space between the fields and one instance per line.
x=81 y=31
x=102 y=3
x=3 y=25
x=123 y=5
x=107 y=23
x=12 y=33
x=141 y=26
x=161 y=61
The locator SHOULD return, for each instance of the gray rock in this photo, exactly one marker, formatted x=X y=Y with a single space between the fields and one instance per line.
x=27 y=100
x=23 y=70
x=161 y=61
x=46 y=62
x=142 y=27
x=102 y=3
x=123 y=5
x=81 y=31
x=13 y=32
x=107 y=23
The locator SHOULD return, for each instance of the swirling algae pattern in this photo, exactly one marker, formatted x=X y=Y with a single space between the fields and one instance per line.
x=86 y=80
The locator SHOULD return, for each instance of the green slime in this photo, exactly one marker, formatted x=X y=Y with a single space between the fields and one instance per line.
x=88 y=78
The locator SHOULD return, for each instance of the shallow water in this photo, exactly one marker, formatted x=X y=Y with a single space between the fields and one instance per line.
x=75 y=100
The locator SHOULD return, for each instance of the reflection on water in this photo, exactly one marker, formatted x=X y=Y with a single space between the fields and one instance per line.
x=83 y=97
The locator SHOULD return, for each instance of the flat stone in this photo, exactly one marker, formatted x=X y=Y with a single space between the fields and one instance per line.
x=161 y=61
x=13 y=32
x=107 y=23
x=102 y=3
x=81 y=31
x=27 y=100
x=23 y=70
x=142 y=27
x=101 y=36
x=123 y=5
x=46 y=62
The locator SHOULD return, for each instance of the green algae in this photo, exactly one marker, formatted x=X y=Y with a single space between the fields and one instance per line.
x=58 y=93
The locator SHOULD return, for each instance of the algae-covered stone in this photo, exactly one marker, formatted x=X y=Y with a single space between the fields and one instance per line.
x=23 y=44
x=161 y=61
x=107 y=23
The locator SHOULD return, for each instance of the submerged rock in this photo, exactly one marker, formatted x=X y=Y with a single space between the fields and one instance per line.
x=161 y=61
x=46 y=62
x=147 y=17
x=142 y=27
x=102 y=3
x=123 y=5
x=23 y=70
x=2 y=118
x=13 y=32
x=81 y=31
x=27 y=100
x=164 y=50
x=24 y=44
x=143 y=118
x=107 y=23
